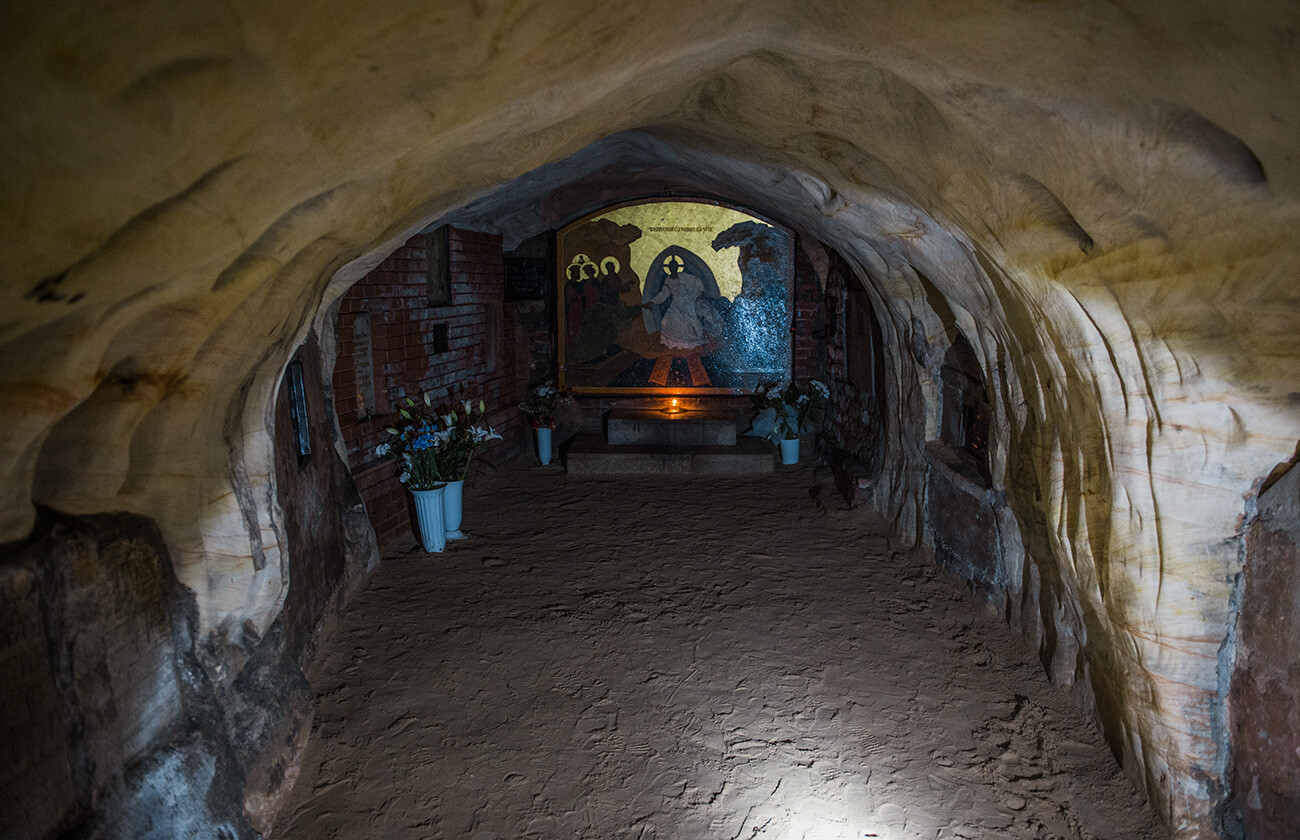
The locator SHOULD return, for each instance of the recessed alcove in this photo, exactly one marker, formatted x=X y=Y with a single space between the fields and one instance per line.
x=963 y=442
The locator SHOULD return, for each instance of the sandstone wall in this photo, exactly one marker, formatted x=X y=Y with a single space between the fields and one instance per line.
x=1101 y=196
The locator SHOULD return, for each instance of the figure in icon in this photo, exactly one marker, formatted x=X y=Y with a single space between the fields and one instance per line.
x=679 y=303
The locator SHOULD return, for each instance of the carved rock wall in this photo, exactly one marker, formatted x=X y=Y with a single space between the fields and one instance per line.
x=142 y=728
x=1264 y=705
x=1101 y=196
x=325 y=520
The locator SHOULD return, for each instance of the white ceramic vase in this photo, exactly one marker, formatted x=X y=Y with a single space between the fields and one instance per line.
x=453 y=509
x=544 y=445
x=428 y=515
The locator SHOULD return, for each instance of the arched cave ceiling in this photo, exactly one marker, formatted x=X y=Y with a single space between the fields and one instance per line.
x=1103 y=194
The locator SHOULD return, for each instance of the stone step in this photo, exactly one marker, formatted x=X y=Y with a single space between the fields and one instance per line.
x=591 y=455
x=658 y=427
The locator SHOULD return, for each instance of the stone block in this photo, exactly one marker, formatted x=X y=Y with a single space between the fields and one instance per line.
x=657 y=427
x=590 y=455
x=851 y=478
x=964 y=528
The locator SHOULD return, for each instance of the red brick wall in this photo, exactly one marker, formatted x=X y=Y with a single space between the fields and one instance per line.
x=808 y=345
x=480 y=361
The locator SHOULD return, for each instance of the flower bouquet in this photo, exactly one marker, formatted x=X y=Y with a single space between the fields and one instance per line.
x=433 y=446
x=543 y=402
x=542 y=407
x=792 y=408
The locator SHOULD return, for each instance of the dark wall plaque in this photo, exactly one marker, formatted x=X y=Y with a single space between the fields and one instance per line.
x=298 y=407
x=439 y=272
x=363 y=361
x=528 y=278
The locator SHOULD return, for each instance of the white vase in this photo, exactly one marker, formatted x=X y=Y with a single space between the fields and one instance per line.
x=428 y=515
x=544 y=445
x=453 y=508
x=789 y=451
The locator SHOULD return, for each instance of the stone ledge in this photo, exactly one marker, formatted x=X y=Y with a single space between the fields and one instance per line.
x=591 y=455
x=852 y=480
x=657 y=427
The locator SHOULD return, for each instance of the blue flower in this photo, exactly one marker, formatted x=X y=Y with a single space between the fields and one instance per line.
x=423 y=442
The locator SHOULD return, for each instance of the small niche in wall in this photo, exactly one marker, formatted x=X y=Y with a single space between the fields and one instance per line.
x=298 y=408
x=438 y=339
x=966 y=410
x=863 y=342
x=491 y=335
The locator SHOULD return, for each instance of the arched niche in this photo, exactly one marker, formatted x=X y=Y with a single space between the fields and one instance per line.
x=965 y=411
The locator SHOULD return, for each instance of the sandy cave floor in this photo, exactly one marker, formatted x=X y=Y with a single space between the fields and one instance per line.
x=687 y=657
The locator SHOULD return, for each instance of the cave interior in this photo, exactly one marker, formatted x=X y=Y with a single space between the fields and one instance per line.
x=1044 y=256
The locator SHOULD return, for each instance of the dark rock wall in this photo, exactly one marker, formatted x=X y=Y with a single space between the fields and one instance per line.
x=322 y=509
x=36 y=775
x=1264 y=702
x=964 y=529
x=102 y=590
x=129 y=726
